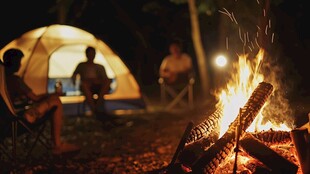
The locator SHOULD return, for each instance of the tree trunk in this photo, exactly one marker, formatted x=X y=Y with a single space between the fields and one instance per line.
x=61 y=12
x=200 y=53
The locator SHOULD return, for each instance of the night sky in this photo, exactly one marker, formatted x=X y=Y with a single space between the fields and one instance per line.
x=101 y=19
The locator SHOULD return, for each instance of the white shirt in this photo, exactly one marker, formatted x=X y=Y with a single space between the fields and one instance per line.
x=176 y=65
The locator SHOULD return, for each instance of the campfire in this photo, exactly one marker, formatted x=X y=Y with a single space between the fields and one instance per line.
x=239 y=137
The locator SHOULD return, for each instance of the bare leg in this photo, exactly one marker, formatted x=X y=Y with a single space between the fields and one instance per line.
x=86 y=89
x=40 y=109
x=46 y=105
x=57 y=119
x=101 y=101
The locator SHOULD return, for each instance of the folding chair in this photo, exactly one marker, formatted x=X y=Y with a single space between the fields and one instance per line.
x=177 y=97
x=13 y=125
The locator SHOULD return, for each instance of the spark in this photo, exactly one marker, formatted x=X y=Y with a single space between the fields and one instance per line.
x=250 y=48
x=269 y=23
x=272 y=37
x=257 y=1
x=247 y=36
x=240 y=35
x=256 y=42
x=257 y=33
x=244 y=36
x=258 y=27
x=264 y=12
x=252 y=44
x=266 y=30
x=226 y=12
x=233 y=16
x=227 y=43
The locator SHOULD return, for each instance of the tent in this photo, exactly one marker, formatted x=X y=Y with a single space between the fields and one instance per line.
x=52 y=53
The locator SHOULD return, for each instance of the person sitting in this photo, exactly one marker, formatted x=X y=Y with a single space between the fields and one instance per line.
x=19 y=93
x=177 y=66
x=94 y=80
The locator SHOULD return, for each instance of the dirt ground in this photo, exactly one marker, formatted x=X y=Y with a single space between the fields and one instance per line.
x=134 y=144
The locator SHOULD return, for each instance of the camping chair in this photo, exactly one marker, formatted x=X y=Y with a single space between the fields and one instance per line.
x=13 y=125
x=177 y=92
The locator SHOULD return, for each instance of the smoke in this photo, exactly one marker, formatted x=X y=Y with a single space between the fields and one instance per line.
x=278 y=109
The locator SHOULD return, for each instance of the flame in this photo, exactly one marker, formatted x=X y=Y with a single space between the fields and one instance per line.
x=239 y=89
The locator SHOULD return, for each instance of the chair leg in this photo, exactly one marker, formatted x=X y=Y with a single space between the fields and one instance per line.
x=178 y=99
x=14 y=135
x=163 y=94
x=78 y=108
x=37 y=138
x=5 y=152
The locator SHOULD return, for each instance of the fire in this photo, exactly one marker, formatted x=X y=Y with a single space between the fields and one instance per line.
x=238 y=90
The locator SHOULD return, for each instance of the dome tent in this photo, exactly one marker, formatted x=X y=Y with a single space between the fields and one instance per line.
x=52 y=53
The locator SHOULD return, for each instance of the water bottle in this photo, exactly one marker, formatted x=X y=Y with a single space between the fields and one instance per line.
x=58 y=87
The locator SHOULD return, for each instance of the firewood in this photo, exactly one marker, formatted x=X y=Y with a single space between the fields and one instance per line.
x=272 y=138
x=205 y=128
x=275 y=162
x=193 y=151
x=223 y=147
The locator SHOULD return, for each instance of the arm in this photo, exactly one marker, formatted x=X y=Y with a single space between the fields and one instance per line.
x=35 y=97
x=163 y=70
x=75 y=73
x=102 y=74
x=24 y=88
x=189 y=66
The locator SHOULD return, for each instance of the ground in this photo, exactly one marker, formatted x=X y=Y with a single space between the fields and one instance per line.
x=138 y=143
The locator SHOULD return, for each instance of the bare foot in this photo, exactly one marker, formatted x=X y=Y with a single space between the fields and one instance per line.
x=65 y=148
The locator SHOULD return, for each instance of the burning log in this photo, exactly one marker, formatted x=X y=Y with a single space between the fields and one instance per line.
x=222 y=148
x=271 y=137
x=205 y=128
x=193 y=151
x=275 y=162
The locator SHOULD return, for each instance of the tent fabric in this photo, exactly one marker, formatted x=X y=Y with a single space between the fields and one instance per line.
x=40 y=44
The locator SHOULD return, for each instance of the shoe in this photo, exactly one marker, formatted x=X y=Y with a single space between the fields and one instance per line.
x=65 y=148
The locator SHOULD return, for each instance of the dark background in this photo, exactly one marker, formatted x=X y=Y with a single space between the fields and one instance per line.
x=158 y=25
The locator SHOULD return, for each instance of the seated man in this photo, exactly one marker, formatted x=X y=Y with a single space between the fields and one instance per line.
x=19 y=93
x=177 y=66
x=93 y=80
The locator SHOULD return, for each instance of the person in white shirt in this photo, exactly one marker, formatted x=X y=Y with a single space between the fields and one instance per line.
x=177 y=66
x=93 y=80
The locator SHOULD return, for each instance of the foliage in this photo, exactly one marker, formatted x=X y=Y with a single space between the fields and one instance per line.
x=153 y=7
x=203 y=6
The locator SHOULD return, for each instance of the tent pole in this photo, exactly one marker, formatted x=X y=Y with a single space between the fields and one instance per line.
x=35 y=46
